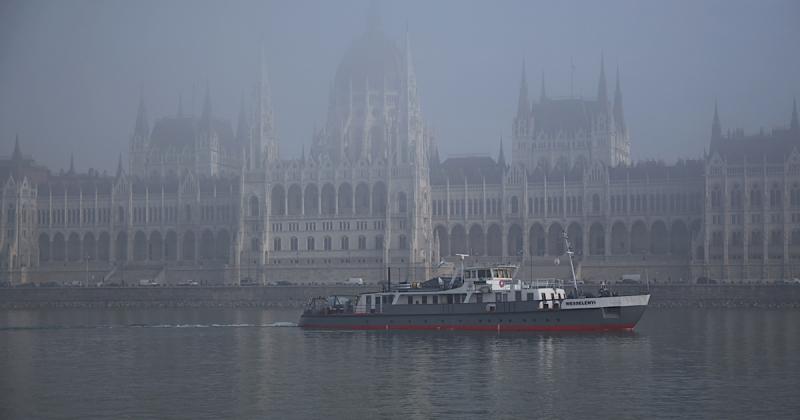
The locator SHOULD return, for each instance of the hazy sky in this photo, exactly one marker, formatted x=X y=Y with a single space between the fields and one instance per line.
x=71 y=71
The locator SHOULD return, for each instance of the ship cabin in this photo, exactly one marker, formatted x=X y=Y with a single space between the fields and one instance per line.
x=486 y=286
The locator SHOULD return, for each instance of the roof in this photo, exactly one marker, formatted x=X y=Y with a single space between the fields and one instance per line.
x=475 y=169
x=180 y=132
x=564 y=115
x=774 y=146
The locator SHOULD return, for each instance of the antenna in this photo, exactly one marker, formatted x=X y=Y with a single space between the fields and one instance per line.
x=571 y=265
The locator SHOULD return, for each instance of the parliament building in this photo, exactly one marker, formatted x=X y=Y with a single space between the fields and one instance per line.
x=199 y=199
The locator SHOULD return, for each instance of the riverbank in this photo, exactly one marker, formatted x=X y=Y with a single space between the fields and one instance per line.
x=663 y=296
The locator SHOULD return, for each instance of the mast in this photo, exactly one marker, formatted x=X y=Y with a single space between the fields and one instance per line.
x=571 y=265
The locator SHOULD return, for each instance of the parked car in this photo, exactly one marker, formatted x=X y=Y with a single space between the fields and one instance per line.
x=247 y=281
x=705 y=280
x=148 y=283
x=188 y=283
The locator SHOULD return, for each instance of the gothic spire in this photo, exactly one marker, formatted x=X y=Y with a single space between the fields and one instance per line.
x=242 y=128
x=264 y=122
x=141 y=129
x=795 y=125
x=523 y=106
x=602 y=92
x=119 y=166
x=17 y=156
x=619 y=117
x=71 y=164
x=716 y=127
x=206 y=116
x=501 y=157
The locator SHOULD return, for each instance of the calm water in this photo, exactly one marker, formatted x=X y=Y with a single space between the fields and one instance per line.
x=226 y=363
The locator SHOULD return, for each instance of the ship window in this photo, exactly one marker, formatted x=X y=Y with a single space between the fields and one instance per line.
x=410 y=299
x=424 y=300
x=435 y=300
x=530 y=296
x=479 y=298
x=449 y=299
x=484 y=273
x=518 y=296
x=369 y=301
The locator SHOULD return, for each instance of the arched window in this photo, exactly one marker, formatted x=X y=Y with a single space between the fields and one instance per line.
x=596 y=203
x=254 y=245
x=716 y=197
x=755 y=197
x=276 y=244
x=401 y=202
x=514 y=205
x=362 y=242
x=775 y=197
x=379 y=242
x=310 y=243
x=293 y=244
x=403 y=244
x=736 y=197
x=795 y=195
x=326 y=243
x=345 y=242
x=253 y=206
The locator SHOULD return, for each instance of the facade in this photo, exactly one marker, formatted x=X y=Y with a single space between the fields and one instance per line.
x=201 y=201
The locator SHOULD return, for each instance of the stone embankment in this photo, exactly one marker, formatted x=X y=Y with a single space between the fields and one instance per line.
x=167 y=297
x=664 y=296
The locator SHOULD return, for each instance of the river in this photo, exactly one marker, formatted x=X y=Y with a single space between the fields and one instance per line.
x=248 y=363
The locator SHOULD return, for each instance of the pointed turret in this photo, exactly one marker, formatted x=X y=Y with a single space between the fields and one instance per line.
x=265 y=145
x=619 y=117
x=71 y=165
x=119 y=167
x=543 y=90
x=602 y=91
x=141 y=129
x=521 y=126
x=243 y=126
x=501 y=157
x=795 y=125
x=17 y=156
x=411 y=130
x=523 y=106
x=716 y=127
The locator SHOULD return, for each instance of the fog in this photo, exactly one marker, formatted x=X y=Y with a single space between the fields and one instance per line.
x=72 y=72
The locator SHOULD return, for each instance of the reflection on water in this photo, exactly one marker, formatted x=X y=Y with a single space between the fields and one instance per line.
x=213 y=363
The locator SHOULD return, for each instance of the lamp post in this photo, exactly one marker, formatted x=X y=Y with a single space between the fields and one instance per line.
x=87 y=270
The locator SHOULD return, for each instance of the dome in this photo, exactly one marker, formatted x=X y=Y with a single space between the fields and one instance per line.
x=372 y=57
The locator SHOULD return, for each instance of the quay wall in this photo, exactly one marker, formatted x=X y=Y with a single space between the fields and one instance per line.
x=221 y=296
x=766 y=296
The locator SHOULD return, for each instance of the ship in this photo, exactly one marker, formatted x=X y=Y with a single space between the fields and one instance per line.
x=483 y=298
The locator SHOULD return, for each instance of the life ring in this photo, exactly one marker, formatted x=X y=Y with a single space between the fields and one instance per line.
x=502 y=283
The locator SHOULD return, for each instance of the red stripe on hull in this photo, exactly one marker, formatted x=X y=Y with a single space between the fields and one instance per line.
x=500 y=327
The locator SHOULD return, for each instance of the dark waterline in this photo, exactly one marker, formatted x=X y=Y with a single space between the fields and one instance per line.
x=245 y=363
